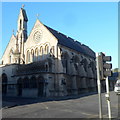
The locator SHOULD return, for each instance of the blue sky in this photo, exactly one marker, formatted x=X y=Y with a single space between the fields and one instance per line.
x=92 y=23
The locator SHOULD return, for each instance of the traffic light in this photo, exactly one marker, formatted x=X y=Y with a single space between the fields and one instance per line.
x=105 y=68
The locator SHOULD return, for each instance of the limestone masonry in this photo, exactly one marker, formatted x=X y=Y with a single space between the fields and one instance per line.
x=46 y=63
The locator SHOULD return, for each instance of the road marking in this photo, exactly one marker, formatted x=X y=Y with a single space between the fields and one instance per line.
x=46 y=107
x=85 y=113
x=67 y=110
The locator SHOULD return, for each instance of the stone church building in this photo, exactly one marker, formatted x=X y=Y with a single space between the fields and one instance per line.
x=46 y=63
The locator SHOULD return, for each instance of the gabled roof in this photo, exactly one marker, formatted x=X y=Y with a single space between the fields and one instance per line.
x=71 y=43
x=12 y=37
x=24 y=14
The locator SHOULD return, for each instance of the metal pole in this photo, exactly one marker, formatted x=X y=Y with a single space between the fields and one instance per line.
x=99 y=87
x=118 y=106
x=108 y=98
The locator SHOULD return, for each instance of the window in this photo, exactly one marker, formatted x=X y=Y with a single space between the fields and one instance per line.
x=46 y=49
x=36 y=54
x=10 y=59
x=41 y=50
x=32 y=54
x=20 y=24
x=53 y=50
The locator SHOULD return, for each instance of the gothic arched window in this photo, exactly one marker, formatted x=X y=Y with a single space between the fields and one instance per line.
x=32 y=55
x=20 y=24
x=36 y=54
x=10 y=59
x=46 y=49
x=41 y=50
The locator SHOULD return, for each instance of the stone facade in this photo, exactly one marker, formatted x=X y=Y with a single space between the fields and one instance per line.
x=46 y=63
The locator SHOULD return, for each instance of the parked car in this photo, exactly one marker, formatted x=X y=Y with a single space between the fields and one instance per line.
x=117 y=87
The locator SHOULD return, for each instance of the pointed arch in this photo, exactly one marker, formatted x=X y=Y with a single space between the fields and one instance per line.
x=36 y=54
x=32 y=55
x=41 y=50
x=46 y=49
x=28 y=56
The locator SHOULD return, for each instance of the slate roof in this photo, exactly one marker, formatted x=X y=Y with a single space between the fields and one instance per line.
x=24 y=14
x=71 y=43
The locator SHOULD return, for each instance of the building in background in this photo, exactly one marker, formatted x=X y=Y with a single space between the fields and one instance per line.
x=46 y=63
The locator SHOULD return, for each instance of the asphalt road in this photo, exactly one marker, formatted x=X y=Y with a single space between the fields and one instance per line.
x=83 y=107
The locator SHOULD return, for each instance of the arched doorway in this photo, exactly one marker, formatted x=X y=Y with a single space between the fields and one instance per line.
x=19 y=87
x=41 y=85
x=4 y=84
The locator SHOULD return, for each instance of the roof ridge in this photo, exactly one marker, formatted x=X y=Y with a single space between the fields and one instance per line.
x=71 y=43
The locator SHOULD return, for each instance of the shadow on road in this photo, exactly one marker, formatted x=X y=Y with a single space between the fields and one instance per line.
x=8 y=102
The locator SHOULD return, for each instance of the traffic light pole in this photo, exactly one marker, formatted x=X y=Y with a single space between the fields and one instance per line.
x=103 y=71
x=108 y=98
x=118 y=106
x=99 y=87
